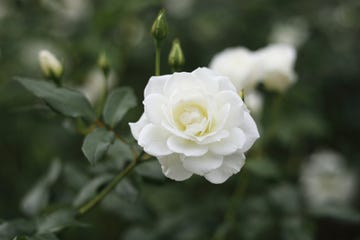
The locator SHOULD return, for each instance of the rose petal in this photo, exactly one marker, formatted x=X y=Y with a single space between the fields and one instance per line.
x=172 y=167
x=156 y=85
x=180 y=81
x=153 y=139
x=207 y=78
x=230 y=144
x=153 y=107
x=186 y=147
x=237 y=108
x=136 y=127
x=203 y=164
x=231 y=165
x=250 y=130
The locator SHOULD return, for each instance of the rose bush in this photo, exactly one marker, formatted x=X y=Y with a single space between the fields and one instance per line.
x=195 y=123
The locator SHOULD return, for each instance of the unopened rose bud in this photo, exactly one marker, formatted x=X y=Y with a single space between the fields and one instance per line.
x=50 y=66
x=159 y=29
x=176 y=56
x=104 y=64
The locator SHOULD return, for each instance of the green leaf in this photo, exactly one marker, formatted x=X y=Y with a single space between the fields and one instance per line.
x=66 y=101
x=126 y=190
x=294 y=228
x=96 y=144
x=117 y=104
x=119 y=153
x=37 y=237
x=21 y=238
x=338 y=212
x=16 y=227
x=285 y=197
x=38 y=196
x=47 y=236
x=150 y=169
x=263 y=168
x=90 y=189
x=57 y=221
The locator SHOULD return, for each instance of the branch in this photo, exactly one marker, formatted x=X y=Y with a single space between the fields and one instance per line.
x=101 y=195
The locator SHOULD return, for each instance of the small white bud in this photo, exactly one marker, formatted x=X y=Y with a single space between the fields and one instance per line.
x=50 y=65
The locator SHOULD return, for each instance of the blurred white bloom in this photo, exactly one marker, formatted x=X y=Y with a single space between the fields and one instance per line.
x=195 y=123
x=238 y=64
x=326 y=181
x=134 y=30
x=76 y=9
x=294 y=32
x=4 y=9
x=179 y=8
x=272 y=65
x=70 y=9
x=275 y=66
x=50 y=65
x=254 y=101
x=93 y=87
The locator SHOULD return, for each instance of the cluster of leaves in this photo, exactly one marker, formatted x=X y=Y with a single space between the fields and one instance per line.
x=100 y=140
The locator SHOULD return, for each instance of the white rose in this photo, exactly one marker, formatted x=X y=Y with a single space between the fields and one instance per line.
x=238 y=64
x=326 y=181
x=195 y=123
x=275 y=66
x=293 y=32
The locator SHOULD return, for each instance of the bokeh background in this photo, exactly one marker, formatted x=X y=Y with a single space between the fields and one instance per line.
x=320 y=113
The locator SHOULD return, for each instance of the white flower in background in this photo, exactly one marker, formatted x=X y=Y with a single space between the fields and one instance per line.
x=294 y=32
x=70 y=9
x=179 y=8
x=93 y=86
x=195 y=123
x=272 y=65
x=254 y=101
x=50 y=65
x=275 y=66
x=238 y=64
x=326 y=181
x=4 y=9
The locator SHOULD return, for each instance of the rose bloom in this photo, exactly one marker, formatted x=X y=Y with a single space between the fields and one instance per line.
x=327 y=181
x=272 y=65
x=238 y=64
x=276 y=66
x=195 y=123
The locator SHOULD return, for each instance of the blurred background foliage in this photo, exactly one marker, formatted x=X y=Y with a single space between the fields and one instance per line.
x=321 y=111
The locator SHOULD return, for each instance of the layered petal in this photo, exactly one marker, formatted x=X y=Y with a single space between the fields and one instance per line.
x=136 y=127
x=186 y=147
x=231 y=144
x=154 y=107
x=232 y=164
x=172 y=167
x=156 y=85
x=250 y=130
x=202 y=164
x=153 y=139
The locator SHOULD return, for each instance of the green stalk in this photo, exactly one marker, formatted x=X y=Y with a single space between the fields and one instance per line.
x=114 y=182
x=157 y=58
x=230 y=214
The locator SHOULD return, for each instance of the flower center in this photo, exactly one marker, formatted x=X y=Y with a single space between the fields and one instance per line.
x=191 y=118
